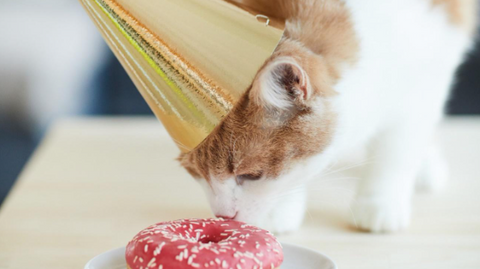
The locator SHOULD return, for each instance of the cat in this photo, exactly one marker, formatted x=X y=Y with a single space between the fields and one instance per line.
x=347 y=74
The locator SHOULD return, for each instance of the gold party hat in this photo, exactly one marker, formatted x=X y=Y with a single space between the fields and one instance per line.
x=190 y=59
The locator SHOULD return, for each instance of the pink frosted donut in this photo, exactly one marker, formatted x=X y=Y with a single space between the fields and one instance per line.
x=204 y=243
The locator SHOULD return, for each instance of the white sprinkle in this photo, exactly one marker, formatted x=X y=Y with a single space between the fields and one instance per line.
x=179 y=257
x=182 y=247
x=151 y=262
x=257 y=260
x=140 y=259
x=157 y=250
x=146 y=248
x=238 y=266
x=217 y=261
x=190 y=260
x=135 y=260
x=224 y=264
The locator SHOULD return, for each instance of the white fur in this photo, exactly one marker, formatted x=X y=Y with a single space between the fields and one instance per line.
x=391 y=102
x=408 y=57
x=277 y=205
x=433 y=174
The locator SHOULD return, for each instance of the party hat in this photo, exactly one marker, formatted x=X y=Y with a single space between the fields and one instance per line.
x=190 y=59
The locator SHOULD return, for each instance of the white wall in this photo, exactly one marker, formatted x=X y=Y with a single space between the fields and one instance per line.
x=49 y=51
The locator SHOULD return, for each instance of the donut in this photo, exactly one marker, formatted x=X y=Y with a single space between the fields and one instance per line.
x=204 y=243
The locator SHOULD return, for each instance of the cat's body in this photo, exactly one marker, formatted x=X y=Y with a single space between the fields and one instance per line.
x=348 y=74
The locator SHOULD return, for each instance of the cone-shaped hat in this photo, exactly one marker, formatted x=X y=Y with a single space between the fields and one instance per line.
x=190 y=59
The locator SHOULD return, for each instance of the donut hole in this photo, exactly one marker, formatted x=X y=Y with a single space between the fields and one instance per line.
x=213 y=235
x=211 y=239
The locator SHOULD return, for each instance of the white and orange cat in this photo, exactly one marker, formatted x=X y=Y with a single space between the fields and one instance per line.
x=347 y=74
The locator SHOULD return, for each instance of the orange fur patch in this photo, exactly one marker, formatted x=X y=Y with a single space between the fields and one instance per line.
x=252 y=140
x=462 y=13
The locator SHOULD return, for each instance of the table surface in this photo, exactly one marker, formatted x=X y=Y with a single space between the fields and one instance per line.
x=93 y=183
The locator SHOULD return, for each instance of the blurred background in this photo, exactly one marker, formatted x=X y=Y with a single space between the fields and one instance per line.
x=54 y=63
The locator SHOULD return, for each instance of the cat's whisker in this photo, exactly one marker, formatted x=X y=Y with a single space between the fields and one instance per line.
x=309 y=214
x=343 y=169
x=334 y=179
x=300 y=189
x=283 y=195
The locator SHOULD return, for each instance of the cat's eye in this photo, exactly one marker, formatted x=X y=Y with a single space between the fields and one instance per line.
x=249 y=177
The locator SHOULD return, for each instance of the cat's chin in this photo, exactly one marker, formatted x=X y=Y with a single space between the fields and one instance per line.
x=282 y=223
x=286 y=216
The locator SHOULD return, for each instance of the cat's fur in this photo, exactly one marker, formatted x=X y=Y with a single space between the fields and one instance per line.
x=346 y=74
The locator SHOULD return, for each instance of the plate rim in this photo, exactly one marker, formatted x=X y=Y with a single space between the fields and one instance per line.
x=312 y=250
x=88 y=265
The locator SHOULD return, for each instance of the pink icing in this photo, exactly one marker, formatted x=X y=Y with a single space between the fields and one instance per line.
x=204 y=243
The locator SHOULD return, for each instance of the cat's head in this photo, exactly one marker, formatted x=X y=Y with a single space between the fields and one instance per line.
x=267 y=144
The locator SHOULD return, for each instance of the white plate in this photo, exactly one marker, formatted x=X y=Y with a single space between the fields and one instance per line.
x=295 y=257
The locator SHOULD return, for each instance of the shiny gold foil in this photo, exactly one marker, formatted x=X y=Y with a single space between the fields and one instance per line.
x=190 y=59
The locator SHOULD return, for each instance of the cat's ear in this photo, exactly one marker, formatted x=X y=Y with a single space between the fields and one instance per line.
x=282 y=84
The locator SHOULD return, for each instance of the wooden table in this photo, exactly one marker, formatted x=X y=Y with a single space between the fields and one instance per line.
x=94 y=182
